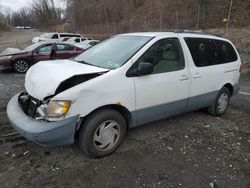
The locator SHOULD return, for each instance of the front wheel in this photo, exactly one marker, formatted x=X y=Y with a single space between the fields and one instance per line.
x=221 y=103
x=21 y=66
x=102 y=133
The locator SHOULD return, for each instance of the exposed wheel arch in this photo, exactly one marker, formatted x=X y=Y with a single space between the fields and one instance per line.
x=229 y=87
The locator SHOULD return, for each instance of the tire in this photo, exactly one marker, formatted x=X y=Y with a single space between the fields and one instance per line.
x=101 y=133
x=221 y=103
x=21 y=66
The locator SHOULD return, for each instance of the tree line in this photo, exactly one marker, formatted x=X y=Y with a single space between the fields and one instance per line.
x=42 y=13
x=116 y=16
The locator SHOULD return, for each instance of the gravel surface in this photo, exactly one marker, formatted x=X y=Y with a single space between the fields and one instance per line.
x=190 y=150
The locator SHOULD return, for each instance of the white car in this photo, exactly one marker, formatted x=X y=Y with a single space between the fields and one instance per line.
x=87 y=44
x=83 y=42
x=50 y=37
x=123 y=82
x=78 y=40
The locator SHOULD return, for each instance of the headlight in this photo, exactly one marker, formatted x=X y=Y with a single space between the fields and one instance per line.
x=58 y=108
x=5 y=57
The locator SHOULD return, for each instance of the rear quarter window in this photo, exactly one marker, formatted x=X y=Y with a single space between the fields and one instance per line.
x=225 y=52
x=208 y=52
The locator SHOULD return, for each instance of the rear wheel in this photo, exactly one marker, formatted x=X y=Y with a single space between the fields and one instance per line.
x=221 y=103
x=102 y=133
x=21 y=66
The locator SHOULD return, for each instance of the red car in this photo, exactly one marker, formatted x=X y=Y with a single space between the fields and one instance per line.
x=20 y=60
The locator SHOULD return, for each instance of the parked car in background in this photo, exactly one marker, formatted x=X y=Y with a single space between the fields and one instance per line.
x=79 y=39
x=55 y=37
x=87 y=44
x=20 y=60
x=123 y=82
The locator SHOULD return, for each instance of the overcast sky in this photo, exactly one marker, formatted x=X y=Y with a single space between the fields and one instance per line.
x=17 y=4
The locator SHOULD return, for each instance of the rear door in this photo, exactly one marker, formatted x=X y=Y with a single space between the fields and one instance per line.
x=209 y=70
x=164 y=92
x=65 y=51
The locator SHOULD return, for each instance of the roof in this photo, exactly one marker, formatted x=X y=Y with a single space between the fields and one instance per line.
x=187 y=33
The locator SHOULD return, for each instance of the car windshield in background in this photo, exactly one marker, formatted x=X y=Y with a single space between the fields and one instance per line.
x=32 y=47
x=114 y=52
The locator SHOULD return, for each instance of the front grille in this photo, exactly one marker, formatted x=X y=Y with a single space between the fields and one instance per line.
x=28 y=104
x=32 y=106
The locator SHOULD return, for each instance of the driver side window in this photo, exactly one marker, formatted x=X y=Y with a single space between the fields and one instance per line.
x=45 y=49
x=165 y=55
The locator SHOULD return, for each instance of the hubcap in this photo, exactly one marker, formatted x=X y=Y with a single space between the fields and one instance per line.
x=106 y=135
x=21 y=66
x=222 y=102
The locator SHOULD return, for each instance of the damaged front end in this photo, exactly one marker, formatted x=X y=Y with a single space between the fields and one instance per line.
x=52 y=110
x=32 y=107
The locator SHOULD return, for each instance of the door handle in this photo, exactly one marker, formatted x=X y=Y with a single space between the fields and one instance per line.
x=196 y=75
x=184 y=77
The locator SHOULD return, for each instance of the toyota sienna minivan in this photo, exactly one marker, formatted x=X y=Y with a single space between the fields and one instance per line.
x=123 y=82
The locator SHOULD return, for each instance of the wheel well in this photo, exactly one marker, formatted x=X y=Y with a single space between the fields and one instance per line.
x=230 y=88
x=119 y=108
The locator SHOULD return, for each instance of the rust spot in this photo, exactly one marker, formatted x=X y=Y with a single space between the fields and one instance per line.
x=119 y=103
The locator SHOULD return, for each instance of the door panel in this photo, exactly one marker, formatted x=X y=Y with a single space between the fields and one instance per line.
x=64 y=51
x=43 y=53
x=165 y=92
x=207 y=68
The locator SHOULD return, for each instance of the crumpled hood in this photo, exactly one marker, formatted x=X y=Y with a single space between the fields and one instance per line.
x=43 y=78
x=12 y=51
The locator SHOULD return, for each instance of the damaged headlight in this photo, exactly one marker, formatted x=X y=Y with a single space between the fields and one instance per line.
x=57 y=109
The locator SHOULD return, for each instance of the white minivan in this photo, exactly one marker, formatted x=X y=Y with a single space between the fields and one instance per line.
x=123 y=82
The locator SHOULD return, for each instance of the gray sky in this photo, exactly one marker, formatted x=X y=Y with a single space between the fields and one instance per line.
x=17 y=4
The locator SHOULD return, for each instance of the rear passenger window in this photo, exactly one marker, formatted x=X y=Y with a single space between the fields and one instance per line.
x=203 y=51
x=165 y=55
x=226 y=52
x=207 y=52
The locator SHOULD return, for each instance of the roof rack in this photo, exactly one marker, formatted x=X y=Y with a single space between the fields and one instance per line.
x=195 y=32
x=201 y=32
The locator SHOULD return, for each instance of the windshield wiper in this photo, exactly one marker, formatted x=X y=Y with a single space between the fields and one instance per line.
x=84 y=62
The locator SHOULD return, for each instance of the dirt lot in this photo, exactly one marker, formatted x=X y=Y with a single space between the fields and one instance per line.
x=191 y=150
x=18 y=38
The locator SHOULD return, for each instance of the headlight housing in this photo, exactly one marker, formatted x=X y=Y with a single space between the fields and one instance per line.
x=5 y=57
x=58 y=109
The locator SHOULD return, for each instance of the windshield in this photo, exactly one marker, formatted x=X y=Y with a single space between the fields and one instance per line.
x=112 y=53
x=32 y=47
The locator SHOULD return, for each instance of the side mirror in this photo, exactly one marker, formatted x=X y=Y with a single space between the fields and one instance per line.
x=144 y=68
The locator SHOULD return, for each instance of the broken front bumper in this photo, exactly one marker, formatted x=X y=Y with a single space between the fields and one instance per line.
x=41 y=132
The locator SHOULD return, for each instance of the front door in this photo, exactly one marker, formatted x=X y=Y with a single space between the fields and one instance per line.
x=164 y=92
x=43 y=53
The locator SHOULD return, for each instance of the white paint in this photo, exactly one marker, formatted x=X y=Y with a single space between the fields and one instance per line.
x=133 y=93
x=43 y=78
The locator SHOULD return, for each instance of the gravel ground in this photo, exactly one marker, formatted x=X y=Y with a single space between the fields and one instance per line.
x=190 y=150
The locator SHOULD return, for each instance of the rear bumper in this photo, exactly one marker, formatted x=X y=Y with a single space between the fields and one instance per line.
x=41 y=132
